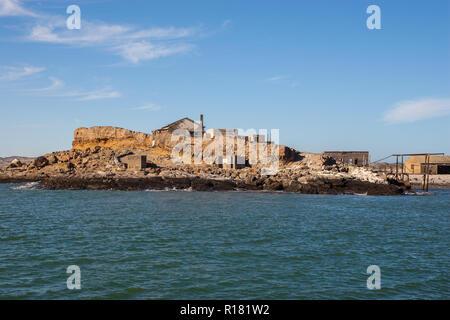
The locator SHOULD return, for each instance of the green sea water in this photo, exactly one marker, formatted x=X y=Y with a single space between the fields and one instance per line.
x=221 y=245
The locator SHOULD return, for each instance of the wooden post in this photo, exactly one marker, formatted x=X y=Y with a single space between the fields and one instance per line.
x=396 y=167
x=402 y=170
x=424 y=172
x=428 y=172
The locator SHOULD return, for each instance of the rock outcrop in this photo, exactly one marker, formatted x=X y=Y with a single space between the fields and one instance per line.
x=110 y=137
x=105 y=168
x=101 y=157
x=289 y=154
x=12 y=161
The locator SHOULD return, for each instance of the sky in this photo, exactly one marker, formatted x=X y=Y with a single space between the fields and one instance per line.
x=312 y=69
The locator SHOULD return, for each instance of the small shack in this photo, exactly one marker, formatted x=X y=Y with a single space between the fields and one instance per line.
x=356 y=158
x=136 y=162
x=438 y=164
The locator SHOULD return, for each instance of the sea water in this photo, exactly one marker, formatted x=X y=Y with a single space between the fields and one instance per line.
x=221 y=245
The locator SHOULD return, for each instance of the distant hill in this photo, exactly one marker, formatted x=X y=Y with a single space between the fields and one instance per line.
x=7 y=160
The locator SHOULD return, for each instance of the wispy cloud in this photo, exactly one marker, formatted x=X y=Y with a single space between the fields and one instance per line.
x=415 y=110
x=14 y=8
x=129 y=42
x=55 y=84
x=15 y=73
x=143 y=50
x=105 y=93
x=100 y=33
x=54 y=90
x=277 y=78
x=168 y=33
x=149 y=107
x=283 y=79
x=226 y=24
x=90 y=34
x=56 y=87
x=101 y=94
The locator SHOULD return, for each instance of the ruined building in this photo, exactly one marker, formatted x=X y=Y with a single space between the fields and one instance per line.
x=163 y=137
x=356 y=158
x=437 y=165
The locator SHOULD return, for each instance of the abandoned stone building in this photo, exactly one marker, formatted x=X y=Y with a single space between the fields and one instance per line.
x=135 y=162
x=163 y=137
x=213 y=133
x=437 y=165
x=356 y=158
x=132 y=148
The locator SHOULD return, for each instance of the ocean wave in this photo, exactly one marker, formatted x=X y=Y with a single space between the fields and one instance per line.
x=27 y=186
x=167 y=189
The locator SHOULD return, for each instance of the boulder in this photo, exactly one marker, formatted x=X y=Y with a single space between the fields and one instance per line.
x=16 y=163
x=41 y=162
x=52 y=159
x=328 y=161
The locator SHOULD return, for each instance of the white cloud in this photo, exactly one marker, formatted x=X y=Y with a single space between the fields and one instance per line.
x=102 y=34
x=89 y=34
x=79 y=95
x=277 y=78
x=14 y=8
x=132 y=43
x=55 y=84
x=149 y=107
x=97 y=95
x=16 y=73
x=143 y=50
x=283 y=79
x=415 y=110
x=164 y=33
x=226 y=24
x=128 y=42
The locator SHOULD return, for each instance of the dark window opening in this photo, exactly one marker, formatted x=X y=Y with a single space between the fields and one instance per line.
x=443 y=169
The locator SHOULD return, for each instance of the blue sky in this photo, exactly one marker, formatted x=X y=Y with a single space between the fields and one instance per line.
x=309 y=68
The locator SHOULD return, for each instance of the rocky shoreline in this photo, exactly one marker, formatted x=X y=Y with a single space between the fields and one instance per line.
x=99 y=169
x=99 y=160
x=199 y=184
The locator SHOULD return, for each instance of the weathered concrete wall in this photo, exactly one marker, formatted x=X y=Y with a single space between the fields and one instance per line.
x=111 y=137
x=358 y=158
x=163 y=139
x=415 y=164
x=135 y=162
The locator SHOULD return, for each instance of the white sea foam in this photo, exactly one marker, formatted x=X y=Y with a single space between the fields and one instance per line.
x=167 y=189
x=26 y=186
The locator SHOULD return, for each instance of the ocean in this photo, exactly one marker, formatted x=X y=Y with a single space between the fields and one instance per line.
x=221 y=245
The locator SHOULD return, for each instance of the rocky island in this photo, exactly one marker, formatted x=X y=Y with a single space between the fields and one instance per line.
x=104 y=158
